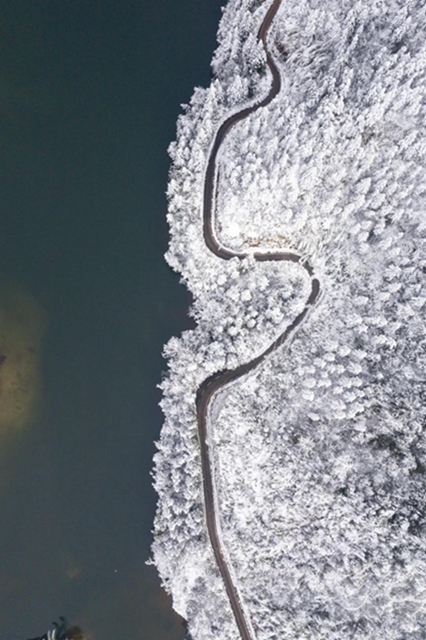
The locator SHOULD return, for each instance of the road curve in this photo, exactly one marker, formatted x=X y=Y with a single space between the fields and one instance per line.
x=218 y=380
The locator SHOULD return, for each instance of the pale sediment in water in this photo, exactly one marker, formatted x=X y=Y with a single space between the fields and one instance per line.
x=22 y=325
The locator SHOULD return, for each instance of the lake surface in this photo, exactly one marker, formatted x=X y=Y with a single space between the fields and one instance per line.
x=89 y=95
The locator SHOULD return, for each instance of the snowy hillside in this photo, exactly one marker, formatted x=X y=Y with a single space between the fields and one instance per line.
x=320 y=453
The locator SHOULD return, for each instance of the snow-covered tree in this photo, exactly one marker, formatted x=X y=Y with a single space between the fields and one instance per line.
x=319 y=454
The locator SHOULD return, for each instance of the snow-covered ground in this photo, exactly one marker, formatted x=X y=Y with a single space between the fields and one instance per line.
x=319 y=455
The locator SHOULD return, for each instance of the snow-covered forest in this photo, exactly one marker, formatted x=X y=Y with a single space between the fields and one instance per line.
x=320 y=453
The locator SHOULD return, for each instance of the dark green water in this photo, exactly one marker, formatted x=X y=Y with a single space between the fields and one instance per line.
x=89 y=95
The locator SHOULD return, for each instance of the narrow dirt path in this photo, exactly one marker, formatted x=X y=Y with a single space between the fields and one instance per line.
x=218 y=380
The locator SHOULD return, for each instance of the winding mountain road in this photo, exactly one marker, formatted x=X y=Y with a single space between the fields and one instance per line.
x=214 y=383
